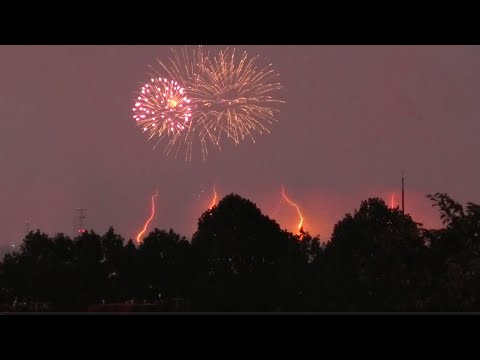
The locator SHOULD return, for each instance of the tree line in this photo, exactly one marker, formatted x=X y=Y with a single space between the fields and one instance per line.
x=378 y=259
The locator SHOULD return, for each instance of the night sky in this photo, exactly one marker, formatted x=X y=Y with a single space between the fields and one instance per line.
x=354 y=117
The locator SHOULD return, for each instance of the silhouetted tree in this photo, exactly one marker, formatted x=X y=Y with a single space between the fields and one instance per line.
x=29 y=271
x=455 y=260
x=374 y=262
x=129 y=273
x=164 y=263
x=240 y=254
x=378 y=259
x=113 y=251
x=88 y=268
x=60 y=263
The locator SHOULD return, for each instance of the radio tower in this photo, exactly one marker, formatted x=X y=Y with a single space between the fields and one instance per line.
x=403 y=191
x=79 y=222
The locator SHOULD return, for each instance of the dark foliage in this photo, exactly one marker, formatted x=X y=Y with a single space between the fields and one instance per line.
x=378 y=259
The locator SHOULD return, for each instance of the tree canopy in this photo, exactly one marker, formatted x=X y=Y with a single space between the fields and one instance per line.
x=378 y=259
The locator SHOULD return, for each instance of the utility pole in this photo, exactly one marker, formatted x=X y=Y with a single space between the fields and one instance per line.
x=403 y=191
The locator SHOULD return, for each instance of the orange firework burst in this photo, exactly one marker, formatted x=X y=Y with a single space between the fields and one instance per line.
x=235 y=95
x=214 y=200
x=300 y=224
x=140 y=234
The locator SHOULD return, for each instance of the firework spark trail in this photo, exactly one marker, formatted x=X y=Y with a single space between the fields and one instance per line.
x=140 y=234
x=208 y=98
x=214 y=200
x=300 y=224
x=392 y=201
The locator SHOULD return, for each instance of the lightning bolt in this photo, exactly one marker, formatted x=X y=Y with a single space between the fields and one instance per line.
x=300 y=224
x=214 y=200
x=392 y=201
x=140 y=234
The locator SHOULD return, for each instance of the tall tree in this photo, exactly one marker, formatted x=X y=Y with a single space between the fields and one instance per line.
x=374 y=261
x=240 y=253
x=164 y=264
x=455 y=256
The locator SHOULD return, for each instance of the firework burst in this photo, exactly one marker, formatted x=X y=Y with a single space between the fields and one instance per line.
x=195 y=97
x=163 y=109
x=235 y=97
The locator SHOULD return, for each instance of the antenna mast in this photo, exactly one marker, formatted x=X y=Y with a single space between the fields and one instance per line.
x=79 y=224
